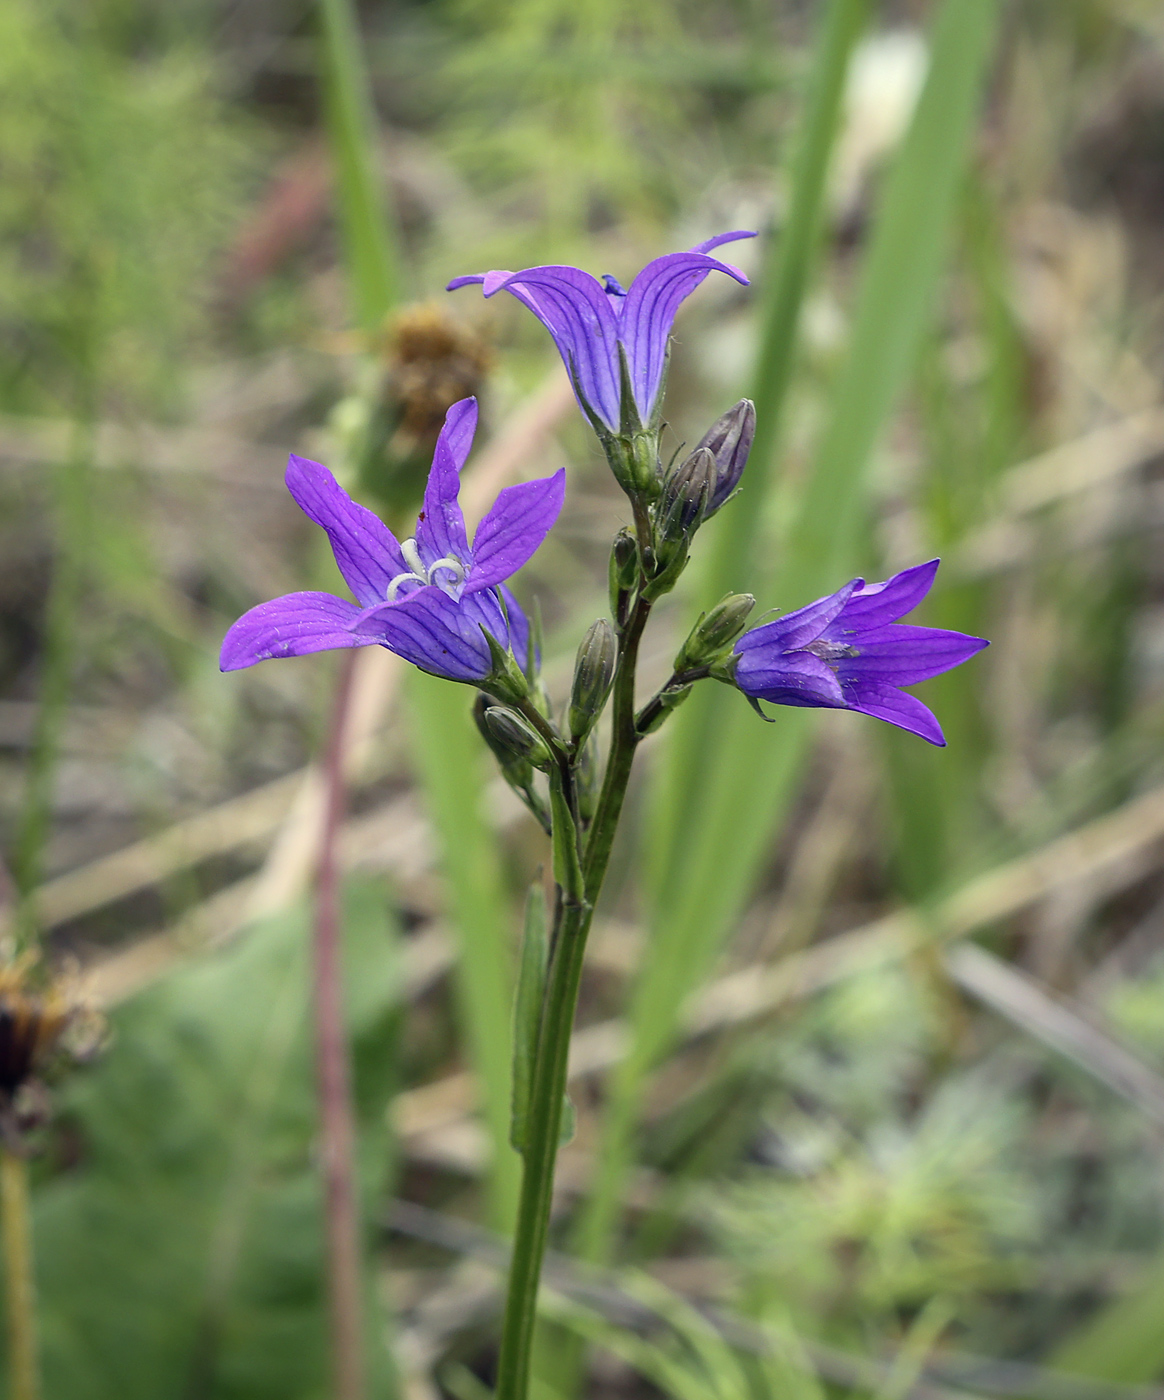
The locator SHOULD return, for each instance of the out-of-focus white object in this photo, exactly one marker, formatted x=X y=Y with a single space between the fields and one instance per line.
x=884 y=81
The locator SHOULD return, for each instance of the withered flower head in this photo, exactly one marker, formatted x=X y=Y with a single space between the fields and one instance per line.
x=433 y=362
x=40 y=1017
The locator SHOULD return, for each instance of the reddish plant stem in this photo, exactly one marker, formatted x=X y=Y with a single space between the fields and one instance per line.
x=337 y=1118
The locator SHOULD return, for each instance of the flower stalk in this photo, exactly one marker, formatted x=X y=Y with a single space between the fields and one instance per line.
x=19 y=1282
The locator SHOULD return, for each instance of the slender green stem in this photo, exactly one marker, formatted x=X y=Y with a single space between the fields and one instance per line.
x=548 y=1087
x=19 y=1285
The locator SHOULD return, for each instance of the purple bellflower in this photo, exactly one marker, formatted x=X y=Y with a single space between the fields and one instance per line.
x=599 y=328
x=431 y=599
x=848 y=651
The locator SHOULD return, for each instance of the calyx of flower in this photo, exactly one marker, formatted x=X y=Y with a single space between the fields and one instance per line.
x=715 y=632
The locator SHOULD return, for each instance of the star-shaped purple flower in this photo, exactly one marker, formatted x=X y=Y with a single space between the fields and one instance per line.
x=848 y=651
x=430 y=599
x=595 y=324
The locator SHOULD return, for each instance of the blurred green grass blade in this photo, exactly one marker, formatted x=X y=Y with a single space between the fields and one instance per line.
x=790 y=263
x=369 y=245
x=969 y=437
x=448 y=753
x=745 y=772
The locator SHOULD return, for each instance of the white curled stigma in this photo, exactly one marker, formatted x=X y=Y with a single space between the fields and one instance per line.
x=419 y=573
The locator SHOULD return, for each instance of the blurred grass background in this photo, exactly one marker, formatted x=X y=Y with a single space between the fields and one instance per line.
x=880 y=1145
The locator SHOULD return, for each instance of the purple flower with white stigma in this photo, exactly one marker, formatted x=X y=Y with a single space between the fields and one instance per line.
x=603 y=332
x=431 y=599
x=848 y=652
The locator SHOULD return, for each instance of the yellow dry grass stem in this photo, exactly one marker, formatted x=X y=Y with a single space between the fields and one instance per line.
x=19 y=1283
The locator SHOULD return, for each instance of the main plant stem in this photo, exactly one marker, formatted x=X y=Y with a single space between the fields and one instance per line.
x=548 y=1087
x=337 y=1120
x=19 y=1286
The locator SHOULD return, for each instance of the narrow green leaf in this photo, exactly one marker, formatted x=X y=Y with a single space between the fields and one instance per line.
x=367 y=229
x=527 y=1010
x=449 y=758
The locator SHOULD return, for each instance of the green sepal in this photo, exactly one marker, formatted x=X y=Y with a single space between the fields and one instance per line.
x=629 y=421
x=527 y=1012
x=669 y=701
x=505 y=680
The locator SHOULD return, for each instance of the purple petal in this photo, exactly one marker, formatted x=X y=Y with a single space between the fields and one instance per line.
x=435 y=632
x=720 y=238
x=649 y=311
x=798 y=628
x=294 y=625
x=576 y=311
x=518 y=630
x=440 y=530
x=796 y=678
x=875 y=604
x=900 y=654
x=365 y=549
x=514 y=528
x=896 y=707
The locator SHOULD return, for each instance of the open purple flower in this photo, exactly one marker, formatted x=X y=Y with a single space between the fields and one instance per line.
x=430 y=599
x=596 y=324
x=847 y=651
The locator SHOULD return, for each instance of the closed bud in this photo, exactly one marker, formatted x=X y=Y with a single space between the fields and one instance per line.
x=516 y=769
x=686 y=495
x=729 y=440
x=623 y=571
x=715 y=631
x=510 y=734
x=593 y=674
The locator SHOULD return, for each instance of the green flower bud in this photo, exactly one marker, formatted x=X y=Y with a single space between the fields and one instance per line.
x=623 y=572
x=509 y=733
x=593 y=675
x=715 y=632
x=686 y=493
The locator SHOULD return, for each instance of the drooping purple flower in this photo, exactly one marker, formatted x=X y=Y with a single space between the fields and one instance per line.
x=430 y=599
x=591 y=320
x=848 y=651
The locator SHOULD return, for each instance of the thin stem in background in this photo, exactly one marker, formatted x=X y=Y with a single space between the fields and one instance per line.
x=19 y=1284
x=337 y=1118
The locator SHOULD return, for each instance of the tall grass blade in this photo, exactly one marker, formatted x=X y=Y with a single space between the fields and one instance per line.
x=369 y=246
x=745 y=773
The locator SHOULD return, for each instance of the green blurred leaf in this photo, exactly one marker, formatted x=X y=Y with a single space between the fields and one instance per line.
x=183 y=1255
